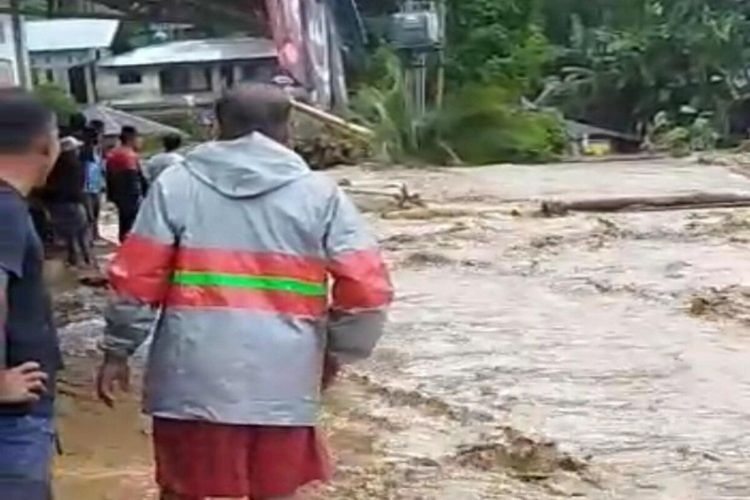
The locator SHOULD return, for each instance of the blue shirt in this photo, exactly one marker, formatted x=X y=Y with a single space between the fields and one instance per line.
x=30 y=333
x=95 y=177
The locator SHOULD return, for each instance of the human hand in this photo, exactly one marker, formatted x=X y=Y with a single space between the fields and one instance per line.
x=22 y=384
x=113 y=372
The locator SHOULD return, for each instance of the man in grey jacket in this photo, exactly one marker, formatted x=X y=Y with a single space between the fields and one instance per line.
x=162 y=161
x=262 y=270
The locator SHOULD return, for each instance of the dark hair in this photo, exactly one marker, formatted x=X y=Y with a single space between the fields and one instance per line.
x=172 y=142
x=90 y=143
x=65 y=182
x=98 y=126
x=253 y=108
x=77 y=122
x=128 y=134
x=23 y=118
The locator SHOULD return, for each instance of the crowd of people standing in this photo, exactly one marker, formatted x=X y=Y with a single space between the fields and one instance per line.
x=68 y=208
x=59 y=174
x=255 y=277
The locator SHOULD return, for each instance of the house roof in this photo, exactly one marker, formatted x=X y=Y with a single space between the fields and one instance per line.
x=114 y=120
x=194 y=51
x=70 y=34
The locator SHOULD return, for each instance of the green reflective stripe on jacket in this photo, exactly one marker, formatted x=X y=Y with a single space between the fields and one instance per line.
x=205 y=279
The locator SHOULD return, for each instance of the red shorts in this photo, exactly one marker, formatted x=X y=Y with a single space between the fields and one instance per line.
x=200 y=459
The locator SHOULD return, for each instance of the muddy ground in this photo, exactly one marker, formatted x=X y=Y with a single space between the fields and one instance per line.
x=600 y=356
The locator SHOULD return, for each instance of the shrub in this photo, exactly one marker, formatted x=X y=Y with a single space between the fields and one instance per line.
x=483 y=125
x=478 y=124
x=57 y=100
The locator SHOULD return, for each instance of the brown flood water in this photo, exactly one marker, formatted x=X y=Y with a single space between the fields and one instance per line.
x=527 y=357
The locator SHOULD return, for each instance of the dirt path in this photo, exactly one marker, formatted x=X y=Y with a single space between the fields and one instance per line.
x=527 y=358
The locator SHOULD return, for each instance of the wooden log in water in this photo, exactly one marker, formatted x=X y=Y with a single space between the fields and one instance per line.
x=332 y=120
x=648 y=203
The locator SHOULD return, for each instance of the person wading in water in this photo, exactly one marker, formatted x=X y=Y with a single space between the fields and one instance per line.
x=235 y=252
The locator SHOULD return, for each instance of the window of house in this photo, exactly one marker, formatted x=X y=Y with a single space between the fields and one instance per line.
x=35 y=77
x=249 y=72
x=185 y=80
x=50 y=74
x=259 y=71
x=130 y=77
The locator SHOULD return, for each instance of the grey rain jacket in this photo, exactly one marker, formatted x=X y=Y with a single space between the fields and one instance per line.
x=249 y=268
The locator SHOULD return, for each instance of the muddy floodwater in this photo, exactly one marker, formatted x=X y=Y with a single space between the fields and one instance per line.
x=602 y=356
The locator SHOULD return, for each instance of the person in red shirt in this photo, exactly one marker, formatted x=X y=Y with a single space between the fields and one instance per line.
x=124 y=181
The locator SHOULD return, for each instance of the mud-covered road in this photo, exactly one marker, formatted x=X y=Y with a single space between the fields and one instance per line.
x=601 y=356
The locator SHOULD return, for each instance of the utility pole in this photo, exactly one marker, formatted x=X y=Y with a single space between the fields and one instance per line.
x=19 y=41
x=418 y=34
x=417 y=72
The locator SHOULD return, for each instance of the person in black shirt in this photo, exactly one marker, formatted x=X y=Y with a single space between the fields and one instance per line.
x=65 y=199
x=29 y=350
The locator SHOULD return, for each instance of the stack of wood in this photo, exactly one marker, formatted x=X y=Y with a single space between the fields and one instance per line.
x=328 y=148
x=325 y=140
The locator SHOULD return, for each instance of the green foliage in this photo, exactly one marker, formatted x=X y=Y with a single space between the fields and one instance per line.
x=479 y=124
x=57 y=100
x=634 y=59
x=496 y=42
x=618 y=64
x=484 y=125
x=680 y=139
x=383 y=106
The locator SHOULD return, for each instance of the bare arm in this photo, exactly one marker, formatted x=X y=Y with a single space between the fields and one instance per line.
x=140 y=278
x=21 y=384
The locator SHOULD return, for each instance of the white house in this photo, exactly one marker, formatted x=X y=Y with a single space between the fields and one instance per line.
x=9 y=68
x=64 y=52
x=175 y=73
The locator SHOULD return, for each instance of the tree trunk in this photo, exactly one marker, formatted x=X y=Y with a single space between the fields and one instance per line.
x=648 y=203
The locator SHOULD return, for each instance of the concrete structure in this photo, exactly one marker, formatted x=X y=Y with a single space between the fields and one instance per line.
x=114 y=120
x=589 y=140
x=9 y=68
x=176 y=74
x=64 y=52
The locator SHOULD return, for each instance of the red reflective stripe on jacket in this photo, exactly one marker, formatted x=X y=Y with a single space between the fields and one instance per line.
x=141 y=269
x=361 y=281
x=255 y=300
x=251 y=263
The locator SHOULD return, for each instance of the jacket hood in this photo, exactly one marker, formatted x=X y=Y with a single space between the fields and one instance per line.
x=165 y=159
x=247 y=167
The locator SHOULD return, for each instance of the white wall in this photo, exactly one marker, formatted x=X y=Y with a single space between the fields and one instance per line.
x=56 y=65
x=111 y=90
x=149 y=91
x=8 y=65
